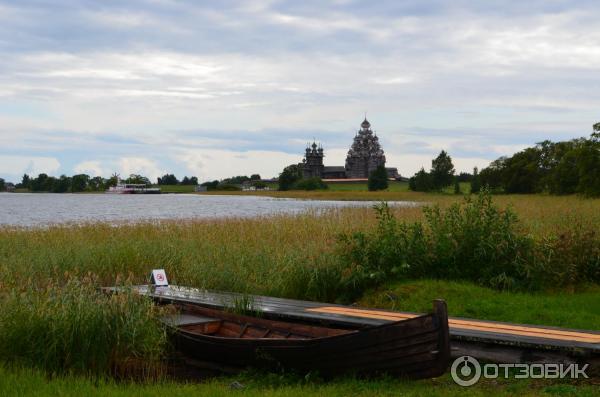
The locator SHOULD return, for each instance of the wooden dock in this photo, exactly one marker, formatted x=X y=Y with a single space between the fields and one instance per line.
x=485 y=340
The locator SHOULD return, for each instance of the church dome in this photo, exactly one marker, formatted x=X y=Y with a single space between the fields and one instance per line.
x=365 y=124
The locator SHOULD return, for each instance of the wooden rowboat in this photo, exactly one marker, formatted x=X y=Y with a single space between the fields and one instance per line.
x=415 y=348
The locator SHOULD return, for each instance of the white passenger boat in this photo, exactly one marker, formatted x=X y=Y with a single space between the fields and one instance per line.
x=132 y=188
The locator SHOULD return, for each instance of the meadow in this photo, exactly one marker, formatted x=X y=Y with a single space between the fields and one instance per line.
x=176 y=188
x=52 y=272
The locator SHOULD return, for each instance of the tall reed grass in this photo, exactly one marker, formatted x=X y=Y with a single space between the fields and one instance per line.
x=75 y=328
x=63 y=324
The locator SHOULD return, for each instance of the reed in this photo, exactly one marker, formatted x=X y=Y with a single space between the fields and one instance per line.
x=285 y=256
x=74 y=328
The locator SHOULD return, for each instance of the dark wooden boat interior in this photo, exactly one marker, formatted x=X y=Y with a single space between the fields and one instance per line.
x=217 y=323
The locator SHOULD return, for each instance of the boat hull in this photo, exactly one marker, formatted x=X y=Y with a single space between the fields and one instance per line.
x=413 y=348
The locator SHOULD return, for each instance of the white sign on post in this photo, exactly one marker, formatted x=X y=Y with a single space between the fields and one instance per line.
x=159 y=278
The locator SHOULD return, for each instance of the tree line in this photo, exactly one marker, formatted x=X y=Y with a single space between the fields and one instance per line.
x=564 y=167
x=234 y=182
x=170 y=179
x=85 y=183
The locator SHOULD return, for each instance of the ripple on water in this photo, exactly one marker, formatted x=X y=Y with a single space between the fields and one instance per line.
x=41 y=209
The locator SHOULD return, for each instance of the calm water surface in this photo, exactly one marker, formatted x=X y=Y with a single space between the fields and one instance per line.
x=39 y=209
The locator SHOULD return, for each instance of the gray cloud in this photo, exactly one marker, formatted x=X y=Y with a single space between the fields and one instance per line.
x=113 y=79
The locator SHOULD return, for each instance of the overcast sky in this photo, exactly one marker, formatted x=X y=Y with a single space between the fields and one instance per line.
x=221 y=88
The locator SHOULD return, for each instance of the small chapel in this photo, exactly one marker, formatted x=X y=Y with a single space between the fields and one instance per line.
x=364 y=156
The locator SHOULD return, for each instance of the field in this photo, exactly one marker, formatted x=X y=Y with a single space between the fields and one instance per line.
x=286 y=256
x=176 y=188
x=28 y=382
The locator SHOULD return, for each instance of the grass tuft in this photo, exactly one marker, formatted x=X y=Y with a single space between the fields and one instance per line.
x=74 y=328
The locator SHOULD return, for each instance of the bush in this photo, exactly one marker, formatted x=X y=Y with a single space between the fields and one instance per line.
x=567 y=259
x=475 y=241
x=472 y=240
x=289 y=176
x=475 y=181
x=378 y=180
x=457 y=187
x=421 y=182
x=228 y=187
x=310 y=184
x=372 y=258
x=211 y=185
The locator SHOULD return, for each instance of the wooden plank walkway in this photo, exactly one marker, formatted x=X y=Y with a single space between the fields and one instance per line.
x=490 y=340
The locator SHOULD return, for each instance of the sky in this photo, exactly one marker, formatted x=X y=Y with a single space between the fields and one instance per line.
x=221 y=88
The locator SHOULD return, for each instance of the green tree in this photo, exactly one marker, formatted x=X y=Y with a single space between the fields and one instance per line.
x=457 y=186
x=189 y=181
x=412 y=184
x=210 y=185
x=421 y=182
x=378 y=180
x=491 y=176
x=61 y=184
x=113 y=180
x=235 y=180
x=97 y=183
x=2 y=185
x=255 y=177
x=442 y=171
x=138 y=179
x=564 y=177
x=475 y=181
x=41 y=183
x=25 y=182
x=261 y=184
x=168 y=179
x=522 y=173
x=588 y=164
x=289 y=176
x=465 y=177
x=79 y=182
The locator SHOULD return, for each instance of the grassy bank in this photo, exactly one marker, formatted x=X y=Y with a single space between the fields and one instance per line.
x=286 y=256
x=176 y=188
x=576 y=309
x=24 y=382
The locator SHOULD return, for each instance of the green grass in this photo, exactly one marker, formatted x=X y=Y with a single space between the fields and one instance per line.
x=286 y=256
x=580 y=309
x=394 y=186
x=25 y=382
x=176 y=188
x=75 y=328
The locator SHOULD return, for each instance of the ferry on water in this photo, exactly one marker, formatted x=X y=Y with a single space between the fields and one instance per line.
x=132 y=188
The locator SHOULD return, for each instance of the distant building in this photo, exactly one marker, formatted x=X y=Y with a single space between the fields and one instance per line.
x=312 y=164
x=364 y=156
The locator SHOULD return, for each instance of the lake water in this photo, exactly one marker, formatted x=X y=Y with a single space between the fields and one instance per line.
x=39 y=209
